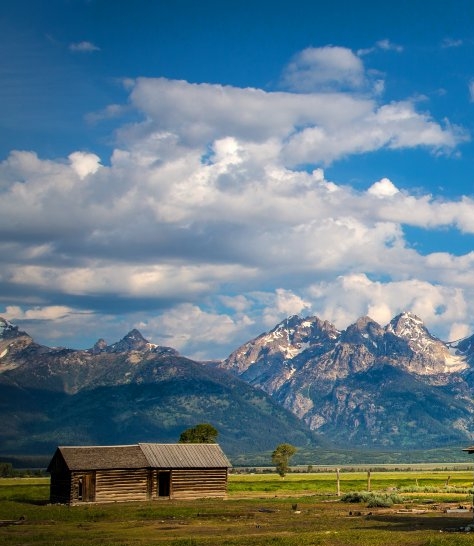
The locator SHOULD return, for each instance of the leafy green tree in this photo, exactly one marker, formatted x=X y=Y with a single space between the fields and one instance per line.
x=281 y=458
x=203 y=433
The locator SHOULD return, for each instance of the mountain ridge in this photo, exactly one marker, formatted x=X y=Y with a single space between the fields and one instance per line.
x=304 y=382
x=127 y=392
x=313 y=369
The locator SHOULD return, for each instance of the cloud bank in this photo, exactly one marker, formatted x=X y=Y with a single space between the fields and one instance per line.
x=213 y=218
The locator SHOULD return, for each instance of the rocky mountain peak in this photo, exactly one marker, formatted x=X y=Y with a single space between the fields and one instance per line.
x=301 y=330
x=288 y=323
x=362 y=331
x=99 y=346
x=9 y=331
x=307 y=363
x=12 y=342
x=133 y=341
x=431 y=356
x=407 y=325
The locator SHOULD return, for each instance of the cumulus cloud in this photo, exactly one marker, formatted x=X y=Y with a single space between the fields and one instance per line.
x=202 y=228
x=316 y=128
x=187 y=326
x=84 y=163
x=324 y=68
x=352 y=296
x=285 y=303
x=383 y=188
x=459 y=331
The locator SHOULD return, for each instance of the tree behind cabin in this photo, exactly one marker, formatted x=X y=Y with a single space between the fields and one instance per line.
x=203 y=433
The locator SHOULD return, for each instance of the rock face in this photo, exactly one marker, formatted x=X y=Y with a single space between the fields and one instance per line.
x=394 y=386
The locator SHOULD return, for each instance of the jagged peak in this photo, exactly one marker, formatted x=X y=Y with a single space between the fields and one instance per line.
x=4 y=324
x=362 y=322
x=363 y=330
x=133 y=341
x=407 y=324
x=9 y=330
x=135 y=335
x=295 y=325
x=407 y=316
x=288 y=322
x=99 y=346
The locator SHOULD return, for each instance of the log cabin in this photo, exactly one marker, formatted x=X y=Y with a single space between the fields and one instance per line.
x=141 y=472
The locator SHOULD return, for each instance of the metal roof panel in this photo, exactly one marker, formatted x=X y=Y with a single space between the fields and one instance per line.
x=185 y=455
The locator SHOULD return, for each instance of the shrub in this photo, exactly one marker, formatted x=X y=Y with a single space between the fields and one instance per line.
x=384 y=500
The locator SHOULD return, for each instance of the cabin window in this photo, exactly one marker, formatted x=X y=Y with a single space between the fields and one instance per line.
x=164 y=483
x=86 y=487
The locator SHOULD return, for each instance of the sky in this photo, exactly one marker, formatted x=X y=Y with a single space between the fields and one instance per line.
x=203 y=170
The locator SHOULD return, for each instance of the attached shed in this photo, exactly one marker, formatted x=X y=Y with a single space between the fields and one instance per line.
x=85 y=474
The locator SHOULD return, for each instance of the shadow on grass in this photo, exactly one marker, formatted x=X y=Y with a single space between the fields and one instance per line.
x=405 y=522
x=34 y=502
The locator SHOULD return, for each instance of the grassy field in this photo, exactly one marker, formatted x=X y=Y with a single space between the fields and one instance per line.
x=261 y=510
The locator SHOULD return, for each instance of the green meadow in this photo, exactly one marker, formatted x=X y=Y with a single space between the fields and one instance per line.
x=409 y=508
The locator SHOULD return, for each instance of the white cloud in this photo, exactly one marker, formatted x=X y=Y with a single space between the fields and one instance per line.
x=84 y=163
x=316 y=128
x=202 y=206
x=459 y=331
x=285 y=303
x=387 y=45
x=52 y=312
x=181 y=327
x=322 y=69
x=109 y=112
x=352 y=296
x=83 y=47
x=383 y=188
x=239 y=303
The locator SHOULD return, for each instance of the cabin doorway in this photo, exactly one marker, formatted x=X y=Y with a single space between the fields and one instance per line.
x=164 y=483
x=86 y=487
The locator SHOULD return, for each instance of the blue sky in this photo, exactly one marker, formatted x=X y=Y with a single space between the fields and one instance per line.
x=201 y=170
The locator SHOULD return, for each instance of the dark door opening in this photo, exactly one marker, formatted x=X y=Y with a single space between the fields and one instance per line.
x=164 y=481
x=86 y=487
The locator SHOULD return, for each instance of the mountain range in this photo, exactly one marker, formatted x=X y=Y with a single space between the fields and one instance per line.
x=128 y=392
x=369 y=387
x=395 y=387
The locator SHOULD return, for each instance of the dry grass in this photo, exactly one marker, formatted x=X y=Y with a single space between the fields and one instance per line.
x=258 y=518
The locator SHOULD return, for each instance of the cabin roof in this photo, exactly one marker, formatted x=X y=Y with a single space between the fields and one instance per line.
x=144 y=455
x=185 y=455
x=102 y=457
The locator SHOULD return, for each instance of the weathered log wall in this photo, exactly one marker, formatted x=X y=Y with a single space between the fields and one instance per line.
x=118 y=486
x=136 y=485
x=190 y=483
